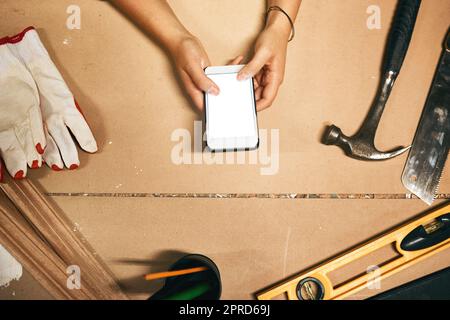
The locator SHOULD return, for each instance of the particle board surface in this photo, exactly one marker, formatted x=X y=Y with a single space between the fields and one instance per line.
x=255 y=242
x=126 y=86
x=26 y=288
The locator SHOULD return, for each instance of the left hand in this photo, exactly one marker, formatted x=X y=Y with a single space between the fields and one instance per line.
x=267 y=66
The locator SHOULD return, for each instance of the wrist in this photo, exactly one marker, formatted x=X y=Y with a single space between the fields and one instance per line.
x=282 y=31
x=280 y=22
x=176 y=39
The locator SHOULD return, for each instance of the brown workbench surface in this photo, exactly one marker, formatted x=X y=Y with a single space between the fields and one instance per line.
x=136 y=207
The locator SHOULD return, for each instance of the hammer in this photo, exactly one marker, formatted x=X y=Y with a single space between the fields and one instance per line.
x=361 y=146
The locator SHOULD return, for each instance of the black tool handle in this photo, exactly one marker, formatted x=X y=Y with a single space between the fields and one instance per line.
x=419 y=238
x=400 y=35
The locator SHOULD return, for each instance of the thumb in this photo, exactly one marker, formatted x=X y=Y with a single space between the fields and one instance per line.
x=202 y=82
x=254 y=66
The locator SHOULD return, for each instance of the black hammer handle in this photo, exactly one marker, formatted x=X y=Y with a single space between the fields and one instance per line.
x=400 y=35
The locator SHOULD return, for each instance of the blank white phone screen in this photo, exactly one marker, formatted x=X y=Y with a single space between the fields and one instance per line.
x=231 y=114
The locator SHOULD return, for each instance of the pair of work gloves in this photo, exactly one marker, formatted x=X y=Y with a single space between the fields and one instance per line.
x=37 y=110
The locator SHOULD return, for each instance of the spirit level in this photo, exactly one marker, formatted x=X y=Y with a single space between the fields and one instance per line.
x=415 y=241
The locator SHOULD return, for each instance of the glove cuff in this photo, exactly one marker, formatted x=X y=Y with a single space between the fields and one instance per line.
x=16 y=38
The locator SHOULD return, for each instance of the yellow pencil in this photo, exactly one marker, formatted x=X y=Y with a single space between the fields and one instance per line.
x=167 y=274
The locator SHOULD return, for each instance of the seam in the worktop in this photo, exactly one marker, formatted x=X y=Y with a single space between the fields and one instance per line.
x=310 y=196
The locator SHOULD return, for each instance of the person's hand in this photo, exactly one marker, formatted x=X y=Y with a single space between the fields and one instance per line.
x=267 y=66
x=191 y=60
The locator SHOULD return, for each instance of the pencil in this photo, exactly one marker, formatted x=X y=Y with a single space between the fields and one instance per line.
x=167 y=274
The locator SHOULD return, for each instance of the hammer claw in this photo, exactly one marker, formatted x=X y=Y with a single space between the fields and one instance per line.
x=359 y=146
x=390 y=154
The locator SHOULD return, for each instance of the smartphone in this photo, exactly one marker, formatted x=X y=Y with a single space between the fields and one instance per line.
x=231 y=120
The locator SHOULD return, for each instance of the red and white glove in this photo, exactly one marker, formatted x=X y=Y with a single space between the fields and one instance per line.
x=22 y=139
x=60 y=111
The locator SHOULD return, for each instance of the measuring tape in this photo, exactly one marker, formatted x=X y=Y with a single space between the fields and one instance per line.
x=414 y=242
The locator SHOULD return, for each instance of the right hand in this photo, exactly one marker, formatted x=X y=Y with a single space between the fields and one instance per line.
x=191 y=60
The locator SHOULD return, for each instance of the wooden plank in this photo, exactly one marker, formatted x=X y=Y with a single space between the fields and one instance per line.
x=43 y=230
x=32 y=252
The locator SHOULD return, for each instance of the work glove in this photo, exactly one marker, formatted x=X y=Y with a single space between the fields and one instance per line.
x=22 y=139
x=60 y=111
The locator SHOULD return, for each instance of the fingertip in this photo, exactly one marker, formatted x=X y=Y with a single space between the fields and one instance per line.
x=39 y=148
x=198 y=105
x=56 y=168
x=243 y=75
x=262 y=105
x=35 y=164
x=199 y=108
x=214 y=90
x=73 y=166
x=91 y=147
x=19 y=175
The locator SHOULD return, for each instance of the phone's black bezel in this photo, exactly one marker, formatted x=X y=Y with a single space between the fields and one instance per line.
x=256 y=114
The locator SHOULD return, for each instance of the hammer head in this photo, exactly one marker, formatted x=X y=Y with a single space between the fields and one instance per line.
x=360 y=146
